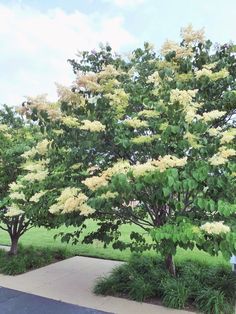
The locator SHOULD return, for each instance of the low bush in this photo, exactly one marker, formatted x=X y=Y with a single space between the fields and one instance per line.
x=175 y=293
x=209 y=289
x=117 y=283
x=213 y=301
x=29 y=258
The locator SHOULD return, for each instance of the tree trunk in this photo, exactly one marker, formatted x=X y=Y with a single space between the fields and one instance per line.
x=170 y=265
x=14 y=246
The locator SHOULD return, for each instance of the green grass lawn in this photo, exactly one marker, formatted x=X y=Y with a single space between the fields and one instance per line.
x=40 y=237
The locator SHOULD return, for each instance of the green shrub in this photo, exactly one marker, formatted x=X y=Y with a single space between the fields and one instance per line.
x=156 y=278
x=190 y=274
x=224 y=280
x=142 y=263
x=61 y=253
x=145 y=277
x=212 y=301
x=176 y=293
x=140 y=289
x=152 y=270
x=117 y=283
x=12 y=265
x=29 y=258
x=104 y=286
x=198 y=276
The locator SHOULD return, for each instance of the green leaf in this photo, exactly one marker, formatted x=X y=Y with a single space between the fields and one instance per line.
x=171 y=181
x=166 y=191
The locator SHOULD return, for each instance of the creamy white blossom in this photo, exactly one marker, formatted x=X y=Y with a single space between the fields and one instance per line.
x=17 y=196
x=216 y=227
x=36 y=197
x=13 y=211
x=92 y=126
x=191 y=36
x=212 y=115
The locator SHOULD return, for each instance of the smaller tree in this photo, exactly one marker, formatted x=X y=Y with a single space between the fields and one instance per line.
x=23 y=170
x=24 y=194
x=20 y=207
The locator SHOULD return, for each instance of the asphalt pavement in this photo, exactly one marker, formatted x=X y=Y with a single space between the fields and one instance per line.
x=17 y=302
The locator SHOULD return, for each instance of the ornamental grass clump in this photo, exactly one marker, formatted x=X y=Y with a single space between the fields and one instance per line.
x=196 y=286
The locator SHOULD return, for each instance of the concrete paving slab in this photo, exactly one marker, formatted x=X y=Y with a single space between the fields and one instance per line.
x=4 y=247
x=72 y=281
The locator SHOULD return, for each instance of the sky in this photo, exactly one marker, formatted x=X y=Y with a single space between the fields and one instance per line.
x=37 y=37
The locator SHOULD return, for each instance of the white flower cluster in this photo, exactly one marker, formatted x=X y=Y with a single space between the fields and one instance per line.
x=71 y=200
x=109 y=195
x=183 y=97
x=37 y=170
x=41 y=149
x=228 y=136
x=109 y=71
x=136 y=123
x=95 y=182
x=213 y=76
x=154 y=79
x=180 y=51
x=92 y=126
x=192 y=139
x=40 y=103
x=161 y=164
x=212 y=115
x=89 y=81
x=216 y=227
x=65 y=94
x=191 y=113
x=142 y=139
x=190 y=36
x=118 y=100
x=3 y=128
x=16 y=194
x=36 y=197
x=70 y=121
x=222 y=156
x=14 y=211
x=149 y=113
x=214 y=131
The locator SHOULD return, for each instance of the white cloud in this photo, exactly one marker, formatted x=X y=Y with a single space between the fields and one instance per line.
x=35 y=46
x=126 y=3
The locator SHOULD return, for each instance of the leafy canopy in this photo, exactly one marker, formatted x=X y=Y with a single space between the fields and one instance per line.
x=149 y=140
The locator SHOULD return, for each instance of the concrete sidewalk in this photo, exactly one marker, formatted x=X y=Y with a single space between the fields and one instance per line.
x=72 y=281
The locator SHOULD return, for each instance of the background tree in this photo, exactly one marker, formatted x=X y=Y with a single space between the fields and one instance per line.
x=150 y=140
x=23 y=170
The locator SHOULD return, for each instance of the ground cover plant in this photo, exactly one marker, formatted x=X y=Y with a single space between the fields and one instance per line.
x=29 y=258
x=196 y=286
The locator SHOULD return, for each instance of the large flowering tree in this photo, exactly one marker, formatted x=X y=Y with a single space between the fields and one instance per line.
x=150 y=140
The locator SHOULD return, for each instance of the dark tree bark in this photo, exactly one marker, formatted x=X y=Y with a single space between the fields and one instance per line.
x=170 y=265
x=15 y=227
x=14 y=245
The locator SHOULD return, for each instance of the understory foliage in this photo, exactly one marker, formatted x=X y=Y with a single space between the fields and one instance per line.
x=147 y=140
x=196 y=285
x=29 y=258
